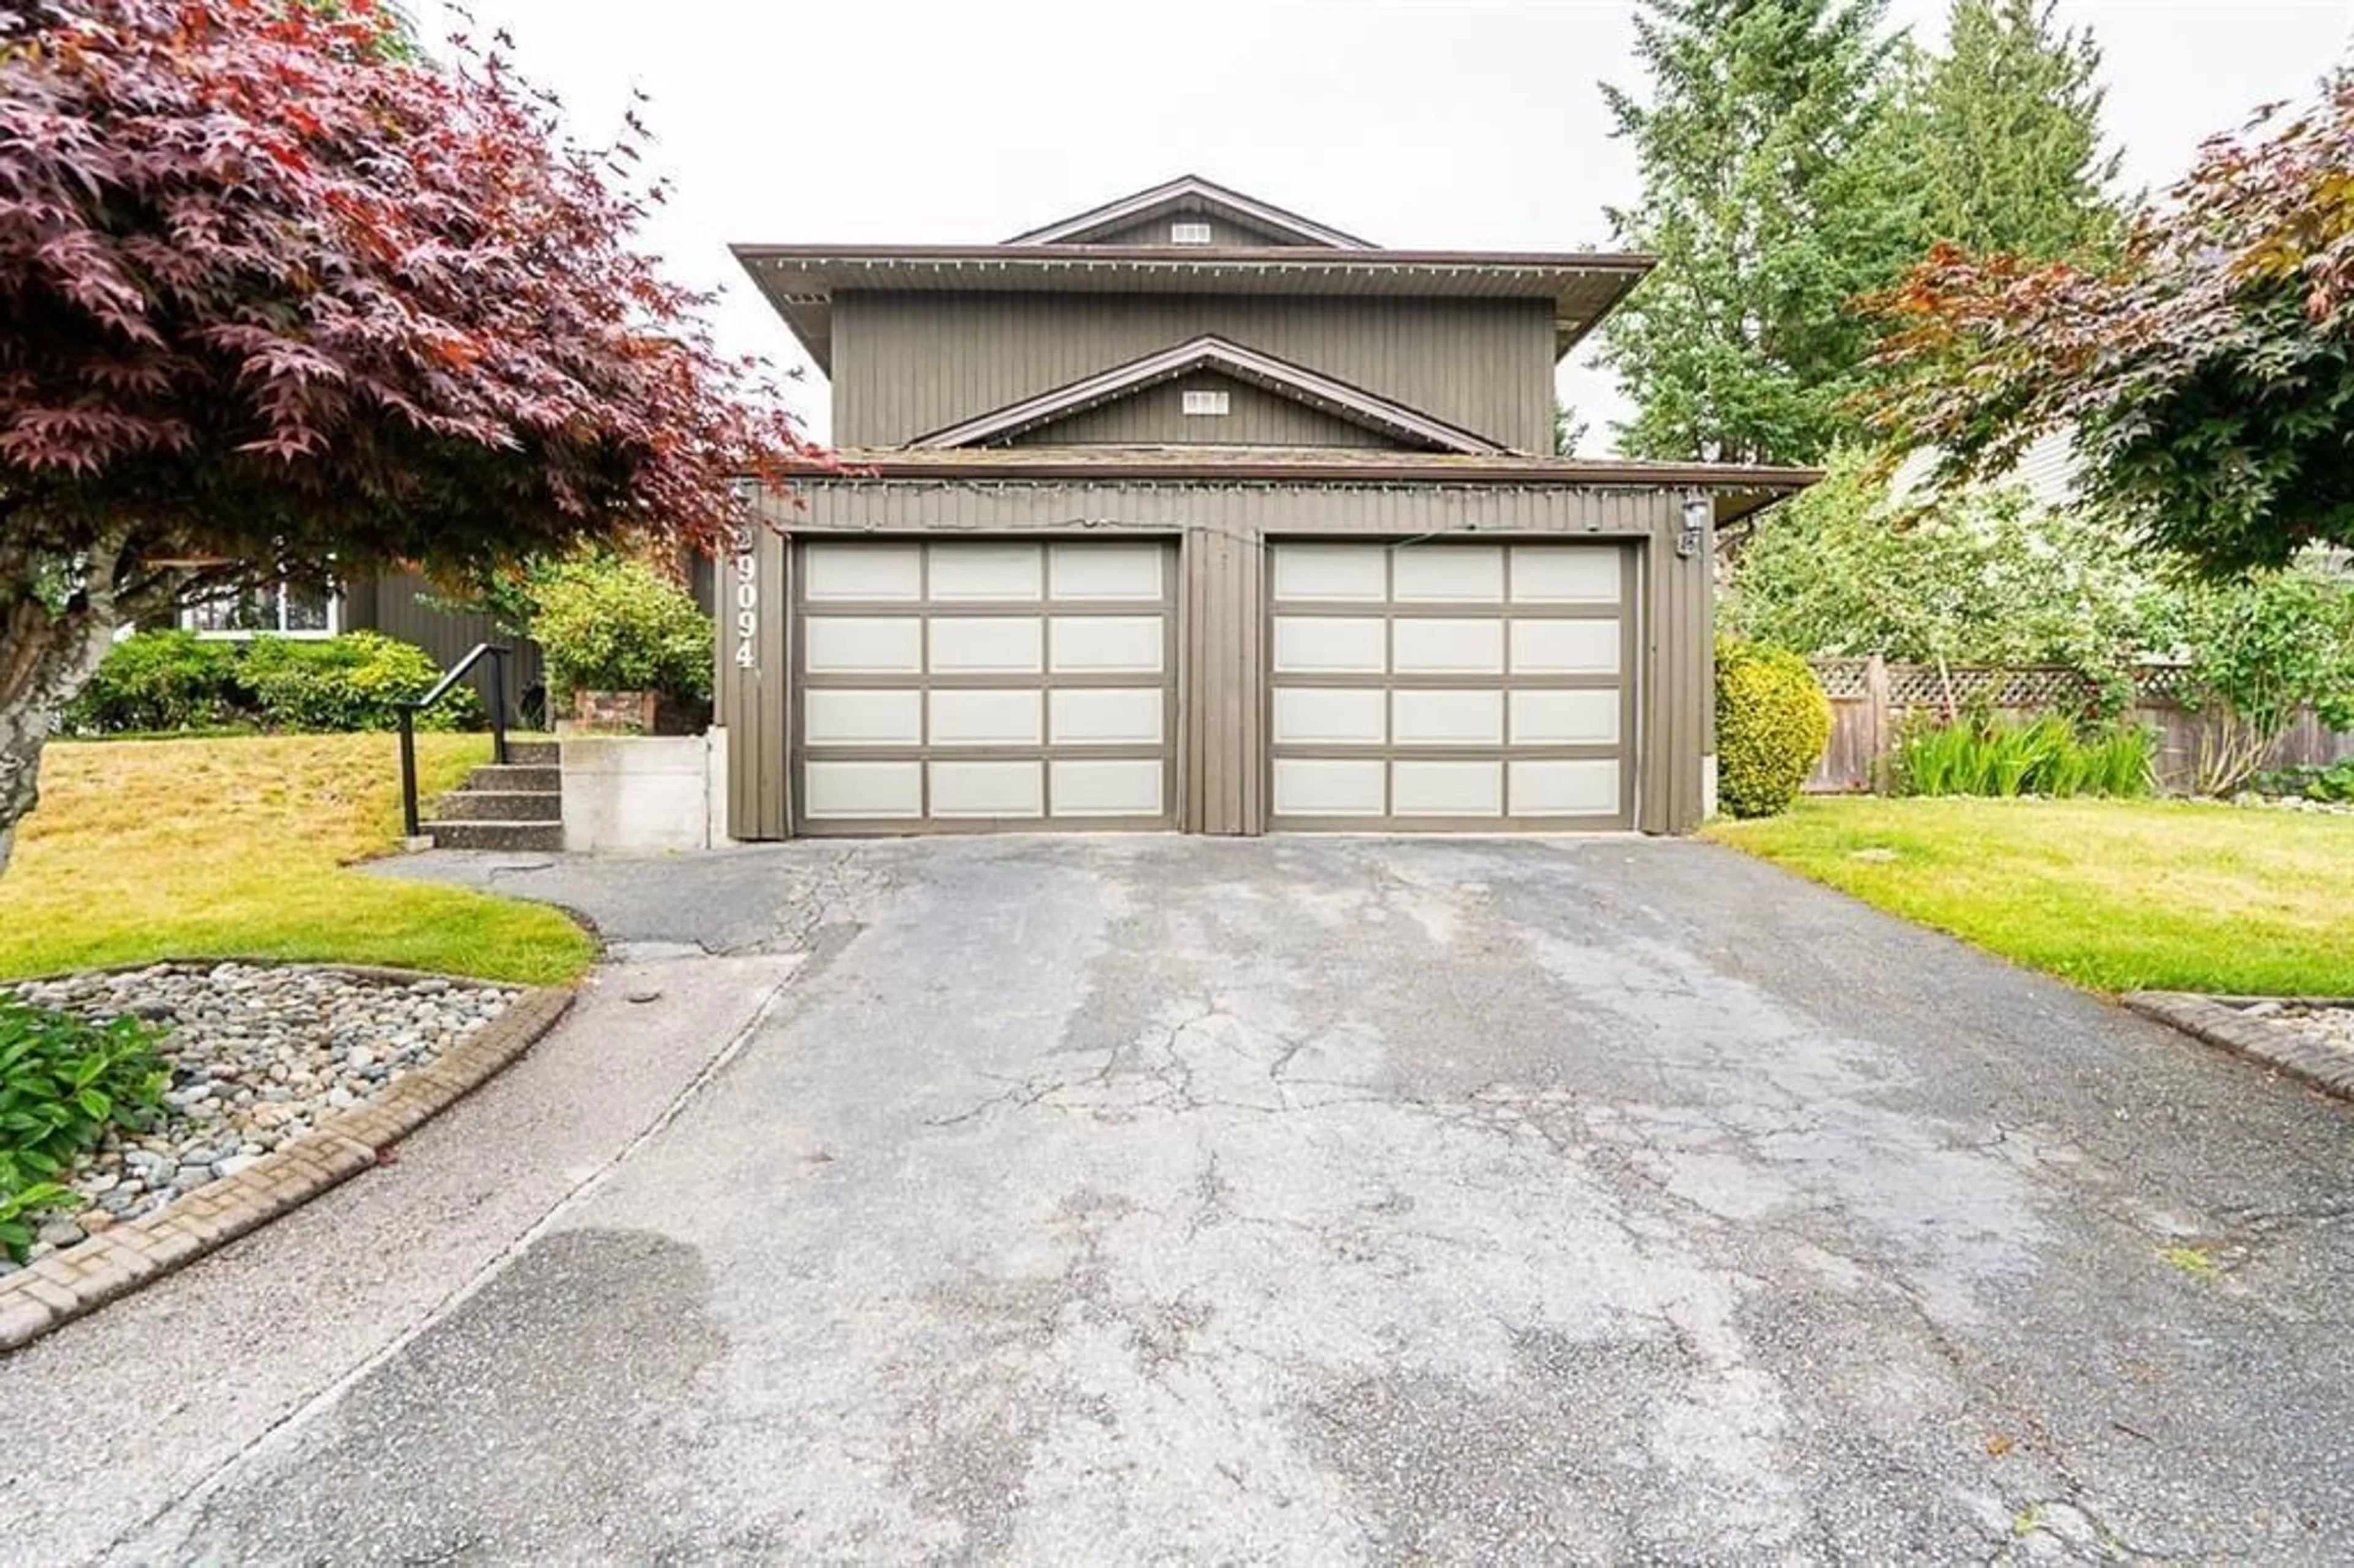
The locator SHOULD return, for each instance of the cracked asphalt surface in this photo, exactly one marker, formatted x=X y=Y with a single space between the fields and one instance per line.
x=1111 y=1198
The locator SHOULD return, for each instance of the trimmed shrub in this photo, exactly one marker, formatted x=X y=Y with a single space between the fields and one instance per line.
x=355 y=682
x=158 y=681
x=612 y=625
x=1772 y=723
x=163 y=681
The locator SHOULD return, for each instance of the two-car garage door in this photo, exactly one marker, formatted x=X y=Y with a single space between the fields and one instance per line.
x=979 y=684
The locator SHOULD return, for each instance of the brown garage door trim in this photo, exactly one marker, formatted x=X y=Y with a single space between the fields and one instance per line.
x=924 y=681
x=1627 y=680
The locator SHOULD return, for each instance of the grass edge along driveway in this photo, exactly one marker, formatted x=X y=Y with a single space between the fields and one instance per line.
x=238 y=848
x=2116 y=896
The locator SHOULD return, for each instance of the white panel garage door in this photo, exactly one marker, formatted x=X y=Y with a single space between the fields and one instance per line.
x=963 y=686
x=1472 y=688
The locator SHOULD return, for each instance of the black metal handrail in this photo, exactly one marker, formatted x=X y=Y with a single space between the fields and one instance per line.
x=409 y=710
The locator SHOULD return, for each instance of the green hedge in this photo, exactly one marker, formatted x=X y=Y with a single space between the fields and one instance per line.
x=1772 y=723
x=159 y=682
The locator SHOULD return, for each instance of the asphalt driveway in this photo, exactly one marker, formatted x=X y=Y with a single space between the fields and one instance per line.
x=1104 y=1200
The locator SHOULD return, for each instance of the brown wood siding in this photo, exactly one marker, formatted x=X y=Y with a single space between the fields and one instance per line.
x=1156 y=416
x=907 y=364
x=394 y=606
x=1224 y=230
x=1679 y=672
x=752 y=699
x=1223 y=534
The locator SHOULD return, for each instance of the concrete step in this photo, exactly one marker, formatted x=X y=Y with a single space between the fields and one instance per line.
x=536 y=753
x=481 y=835
x=502 y=806
x=537 y=777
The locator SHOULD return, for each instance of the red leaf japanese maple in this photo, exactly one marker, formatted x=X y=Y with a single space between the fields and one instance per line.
x=281 y=296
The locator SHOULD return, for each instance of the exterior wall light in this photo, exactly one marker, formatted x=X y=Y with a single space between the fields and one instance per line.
x=1698 y=514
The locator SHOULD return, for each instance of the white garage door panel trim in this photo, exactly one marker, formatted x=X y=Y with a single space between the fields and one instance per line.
x=960 y=573
x=966 y=685
x=1108 y=715
x=1471 y=574
x=992 y=789
x=1106 y=571
x=842 y=791
x=1330 y=715
x=1330 y=787
x=969 y=716
x=862 y=645
x=862 y=718
x=1100 y=787
x=885 y=572
x=1469 y=687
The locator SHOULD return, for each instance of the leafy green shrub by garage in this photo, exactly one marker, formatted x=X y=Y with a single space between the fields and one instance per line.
x=166 y=681
x=1772 y=723
x=607 y=624
x=63 y=1082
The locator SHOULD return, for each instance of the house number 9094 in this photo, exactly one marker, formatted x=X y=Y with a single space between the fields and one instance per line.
x=748 y=607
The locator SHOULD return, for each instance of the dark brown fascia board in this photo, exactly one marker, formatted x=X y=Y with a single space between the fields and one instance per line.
x=1138 y=204
x=1212 y=351
x=1180 y=257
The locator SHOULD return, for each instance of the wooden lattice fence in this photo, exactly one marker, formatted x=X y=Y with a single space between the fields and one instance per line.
x=1870 y=697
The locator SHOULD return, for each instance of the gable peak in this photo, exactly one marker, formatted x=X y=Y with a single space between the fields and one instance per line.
x=1185 y=195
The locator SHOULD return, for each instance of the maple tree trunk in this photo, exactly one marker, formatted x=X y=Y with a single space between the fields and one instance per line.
x=39 y=674
x=49 y=652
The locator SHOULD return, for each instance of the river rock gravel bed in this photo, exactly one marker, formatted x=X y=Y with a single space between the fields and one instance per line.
x=258 y=1053
x=2325 y=1024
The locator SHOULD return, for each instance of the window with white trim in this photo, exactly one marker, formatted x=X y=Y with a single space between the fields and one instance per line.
x=280 y=610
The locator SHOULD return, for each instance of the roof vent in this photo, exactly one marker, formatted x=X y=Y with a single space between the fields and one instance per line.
x=1188 y=234
x=1212 y=404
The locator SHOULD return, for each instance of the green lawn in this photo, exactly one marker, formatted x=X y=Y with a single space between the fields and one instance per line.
x=2117 y=895
x=238 y=848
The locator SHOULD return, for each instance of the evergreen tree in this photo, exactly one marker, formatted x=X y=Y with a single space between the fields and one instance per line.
x=2000 y=137
x=1740 y=346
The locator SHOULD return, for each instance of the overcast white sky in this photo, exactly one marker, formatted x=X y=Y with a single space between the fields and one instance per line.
x=1432 y=122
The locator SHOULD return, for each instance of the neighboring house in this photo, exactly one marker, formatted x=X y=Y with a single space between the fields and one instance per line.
x=2046 y=471
x=398 y=604
x=1188 y=512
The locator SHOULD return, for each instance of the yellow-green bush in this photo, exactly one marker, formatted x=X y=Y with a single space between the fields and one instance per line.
x=1772 y=723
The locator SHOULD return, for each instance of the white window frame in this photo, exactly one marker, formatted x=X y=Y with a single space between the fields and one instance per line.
x=187 y=621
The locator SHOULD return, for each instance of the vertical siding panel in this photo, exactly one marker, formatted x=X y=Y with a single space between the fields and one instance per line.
x=1251 y=732
x=1213 y=745
x=920 y=361
x=754 y=703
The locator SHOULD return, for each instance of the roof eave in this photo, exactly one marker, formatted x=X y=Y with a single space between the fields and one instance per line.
x=1740 y=490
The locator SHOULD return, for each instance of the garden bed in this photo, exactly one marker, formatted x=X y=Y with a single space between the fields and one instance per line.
x=258 y=1055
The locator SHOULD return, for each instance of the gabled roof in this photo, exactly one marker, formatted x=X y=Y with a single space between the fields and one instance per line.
x=1189 y=193
x=1209 y=351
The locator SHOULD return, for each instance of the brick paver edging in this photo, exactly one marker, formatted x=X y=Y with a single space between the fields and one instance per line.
x=63 y=1285
x=2219 y=1021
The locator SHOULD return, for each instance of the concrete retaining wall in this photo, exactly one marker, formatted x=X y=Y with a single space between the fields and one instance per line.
x=645 y=793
